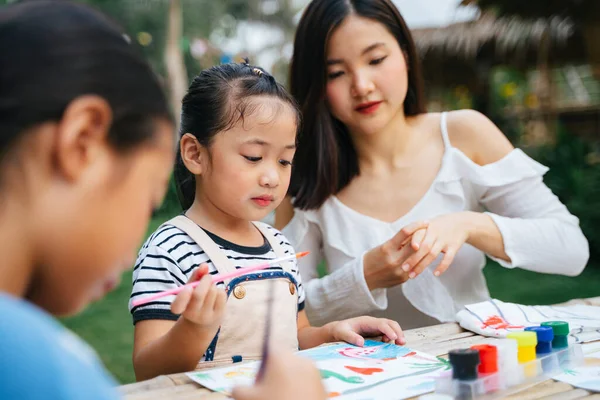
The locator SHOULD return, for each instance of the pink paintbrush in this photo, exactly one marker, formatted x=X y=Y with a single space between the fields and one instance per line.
x=220 y=278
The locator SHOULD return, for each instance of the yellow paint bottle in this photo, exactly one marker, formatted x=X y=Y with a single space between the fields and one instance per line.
x=526 y=342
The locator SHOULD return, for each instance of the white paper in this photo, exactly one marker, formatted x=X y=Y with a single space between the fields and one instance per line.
x=376 y=371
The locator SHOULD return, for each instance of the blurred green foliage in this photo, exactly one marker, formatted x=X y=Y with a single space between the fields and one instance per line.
x=574 y=176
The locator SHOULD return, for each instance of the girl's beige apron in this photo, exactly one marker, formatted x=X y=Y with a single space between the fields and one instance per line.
x=240 y=337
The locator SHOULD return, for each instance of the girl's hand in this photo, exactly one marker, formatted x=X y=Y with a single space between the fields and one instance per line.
x=352 y=330
x=204 y=305
x=445 y=234
x=382 y=265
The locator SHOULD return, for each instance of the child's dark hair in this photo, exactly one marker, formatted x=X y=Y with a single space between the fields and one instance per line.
x=326 y=160
x=218 y=98
x=55 y=51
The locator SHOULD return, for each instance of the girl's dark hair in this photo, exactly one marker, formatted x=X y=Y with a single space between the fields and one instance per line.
x=55 y=51
x=326 y=159
x=219 y=98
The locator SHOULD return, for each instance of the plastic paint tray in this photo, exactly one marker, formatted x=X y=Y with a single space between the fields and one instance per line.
x=506 y=382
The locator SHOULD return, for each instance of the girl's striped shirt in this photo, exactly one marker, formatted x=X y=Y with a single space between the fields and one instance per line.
x=169 y=257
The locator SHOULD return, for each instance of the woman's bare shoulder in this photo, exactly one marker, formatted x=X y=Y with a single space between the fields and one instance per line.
x=476 y=136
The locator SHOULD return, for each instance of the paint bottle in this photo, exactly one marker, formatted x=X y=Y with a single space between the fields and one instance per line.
x=488 y=365
x=464 y=368
x=488 y=358
x=526 y=342
x=508 y=362
x=464 y=364
x=545 y=335
x=561 y=333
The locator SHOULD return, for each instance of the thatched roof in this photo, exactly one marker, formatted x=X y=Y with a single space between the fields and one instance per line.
x=498 y=39
x=579 y=10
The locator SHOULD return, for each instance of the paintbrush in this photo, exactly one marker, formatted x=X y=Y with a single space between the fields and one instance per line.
x=219 y=278
x=267 y=334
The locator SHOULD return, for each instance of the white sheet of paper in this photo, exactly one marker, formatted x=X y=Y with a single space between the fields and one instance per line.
x=587 y=376
x=376 y=371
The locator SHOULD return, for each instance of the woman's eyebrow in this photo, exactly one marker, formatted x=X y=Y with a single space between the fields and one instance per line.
x=365 y=51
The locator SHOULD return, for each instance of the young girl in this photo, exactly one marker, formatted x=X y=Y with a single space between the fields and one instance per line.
x=86 y=148
x=238 y=141
x=371 y=160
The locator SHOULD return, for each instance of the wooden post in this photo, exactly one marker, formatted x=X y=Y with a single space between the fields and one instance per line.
x=176 y=72
x=545 y=91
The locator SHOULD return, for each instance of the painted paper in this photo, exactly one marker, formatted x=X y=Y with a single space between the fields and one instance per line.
x=376 y=371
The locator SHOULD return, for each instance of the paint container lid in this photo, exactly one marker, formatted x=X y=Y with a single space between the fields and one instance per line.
x=524 y=339
x=507 y=349
x=544 y=333
x=560 y=328
x=488 y=357
x=464 y=363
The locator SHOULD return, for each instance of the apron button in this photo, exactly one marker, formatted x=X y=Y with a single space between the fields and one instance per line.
x=292 y=288
x=239 y=292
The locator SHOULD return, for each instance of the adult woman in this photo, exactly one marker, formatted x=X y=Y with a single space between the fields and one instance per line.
x=370 y=160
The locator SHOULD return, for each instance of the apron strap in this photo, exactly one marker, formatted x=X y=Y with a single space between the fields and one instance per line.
x=275 y=244
x=223 y=264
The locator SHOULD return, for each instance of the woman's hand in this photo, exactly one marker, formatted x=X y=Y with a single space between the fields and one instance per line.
x=445 y=234
x=382 y=265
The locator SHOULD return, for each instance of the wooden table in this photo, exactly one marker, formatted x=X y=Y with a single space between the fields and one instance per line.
x=436 y=340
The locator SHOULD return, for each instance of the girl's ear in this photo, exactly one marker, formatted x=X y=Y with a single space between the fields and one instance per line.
x=192 y=153
x=82 y=135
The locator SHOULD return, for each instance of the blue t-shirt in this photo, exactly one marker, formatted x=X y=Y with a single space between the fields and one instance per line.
x=40 y=359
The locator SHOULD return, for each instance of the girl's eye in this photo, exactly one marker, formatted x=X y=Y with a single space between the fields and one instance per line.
x=253 y=159
x=377 y=60
x=285 y=163
x=334 y=75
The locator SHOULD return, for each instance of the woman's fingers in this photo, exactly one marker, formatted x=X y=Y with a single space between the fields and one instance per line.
x=426 y=261
x=406 y=232
x=449 y=255
x=424 y=250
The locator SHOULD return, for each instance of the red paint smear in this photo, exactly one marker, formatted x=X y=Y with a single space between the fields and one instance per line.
x=333 y=394
x=497 y=322
x=364 y=371
x=412 y=353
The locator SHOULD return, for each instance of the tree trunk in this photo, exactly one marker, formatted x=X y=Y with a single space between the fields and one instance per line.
x=176 y=72
x=546 y=125
x=591 y=33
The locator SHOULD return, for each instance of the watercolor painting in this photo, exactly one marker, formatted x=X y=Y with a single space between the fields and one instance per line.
x=377 y=370
x=586 y=376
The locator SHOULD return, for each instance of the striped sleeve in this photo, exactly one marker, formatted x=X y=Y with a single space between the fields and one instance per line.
x=155 y=271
